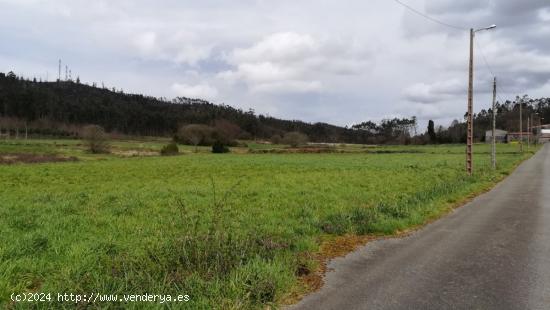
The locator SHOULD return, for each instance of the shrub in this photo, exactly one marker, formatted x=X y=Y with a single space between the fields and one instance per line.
x=276 y=139
x=223 y=132
x=244 y=135
x=195 y=134
x=219 y=147
x=96 y=139
x=170 y=149
x=295 y=139
x=227 y=132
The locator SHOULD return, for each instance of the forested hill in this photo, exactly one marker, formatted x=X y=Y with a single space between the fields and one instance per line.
x=66 y=103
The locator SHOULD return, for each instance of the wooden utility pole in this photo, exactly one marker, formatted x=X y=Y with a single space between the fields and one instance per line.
x=470 y=121
x=494 y=146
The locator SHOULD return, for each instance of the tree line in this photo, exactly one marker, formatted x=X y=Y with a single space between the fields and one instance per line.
x=60 y=108
x=507 y=118
x=63 y=108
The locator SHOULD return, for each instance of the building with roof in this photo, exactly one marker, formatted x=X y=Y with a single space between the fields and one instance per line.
x=500 y=136
x=544 y=134
x=517 y=136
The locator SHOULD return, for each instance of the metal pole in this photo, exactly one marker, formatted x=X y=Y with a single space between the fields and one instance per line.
x=470 y=136
x=494 y=146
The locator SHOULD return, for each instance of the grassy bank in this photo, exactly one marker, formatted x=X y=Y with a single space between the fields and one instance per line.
x=231 y=231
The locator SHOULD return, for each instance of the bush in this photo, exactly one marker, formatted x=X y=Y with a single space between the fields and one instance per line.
x=276 y=139
x=96 y=139
x=219 y=147
x=227 y=132
x=170 y=149
x=196 y=134
x=295 y=139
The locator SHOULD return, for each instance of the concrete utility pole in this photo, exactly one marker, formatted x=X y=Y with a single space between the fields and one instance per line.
x=494 y=146
x=59 y=76
x=540 y=129
x=520 y=125
x=528 y=132
x=470 y=120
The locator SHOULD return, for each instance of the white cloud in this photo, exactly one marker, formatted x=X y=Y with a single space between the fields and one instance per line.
x=288 y=86
x=435 y=92
x=199 y=91
x=290 y=62
x=285 y=47
x=146 y=43
x=178 y=48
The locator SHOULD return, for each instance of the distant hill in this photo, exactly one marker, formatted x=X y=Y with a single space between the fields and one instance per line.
x=65 y=103
x=62 y=108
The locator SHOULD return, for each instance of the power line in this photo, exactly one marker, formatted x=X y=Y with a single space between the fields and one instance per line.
x=459 y=28
x=429 y=17
x=478 y=46
x=488 y=66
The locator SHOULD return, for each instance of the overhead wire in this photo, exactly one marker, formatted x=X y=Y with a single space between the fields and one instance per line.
x=489 y=68
x=429 y=17
x=432 y=19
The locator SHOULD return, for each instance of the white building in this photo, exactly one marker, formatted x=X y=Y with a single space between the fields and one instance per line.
x=500 y=136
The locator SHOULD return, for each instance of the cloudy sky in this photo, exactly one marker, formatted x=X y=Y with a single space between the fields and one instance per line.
x=340 y=62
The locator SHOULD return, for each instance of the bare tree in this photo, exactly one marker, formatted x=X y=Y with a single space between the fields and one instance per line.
x=96 y=138
x=295 y=138
x=276 y=139
x=195 y=134
x=227 y=132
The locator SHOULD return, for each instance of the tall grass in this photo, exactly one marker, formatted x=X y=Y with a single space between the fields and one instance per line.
x=237 y=241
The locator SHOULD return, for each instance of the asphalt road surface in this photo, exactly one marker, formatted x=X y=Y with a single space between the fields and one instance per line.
x=493 y=253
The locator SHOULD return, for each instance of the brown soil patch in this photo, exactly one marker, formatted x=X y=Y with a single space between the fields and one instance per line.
x=331 y=247
x=134 y=153
x=306 y=150
x=27 y=158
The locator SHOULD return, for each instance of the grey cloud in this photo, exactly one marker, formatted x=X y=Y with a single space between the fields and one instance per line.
x=348 y=62
x=456 y=7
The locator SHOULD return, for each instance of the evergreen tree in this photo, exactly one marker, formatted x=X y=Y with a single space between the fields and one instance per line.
x=431 y=131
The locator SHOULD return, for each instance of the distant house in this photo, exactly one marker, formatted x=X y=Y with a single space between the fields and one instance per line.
x=544 y=134
x=500 y=136
x=517 y=136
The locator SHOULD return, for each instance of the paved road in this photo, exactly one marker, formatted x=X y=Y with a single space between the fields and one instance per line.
x=494 y=253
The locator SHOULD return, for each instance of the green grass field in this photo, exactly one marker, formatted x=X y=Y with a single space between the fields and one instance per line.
x=233 y=231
